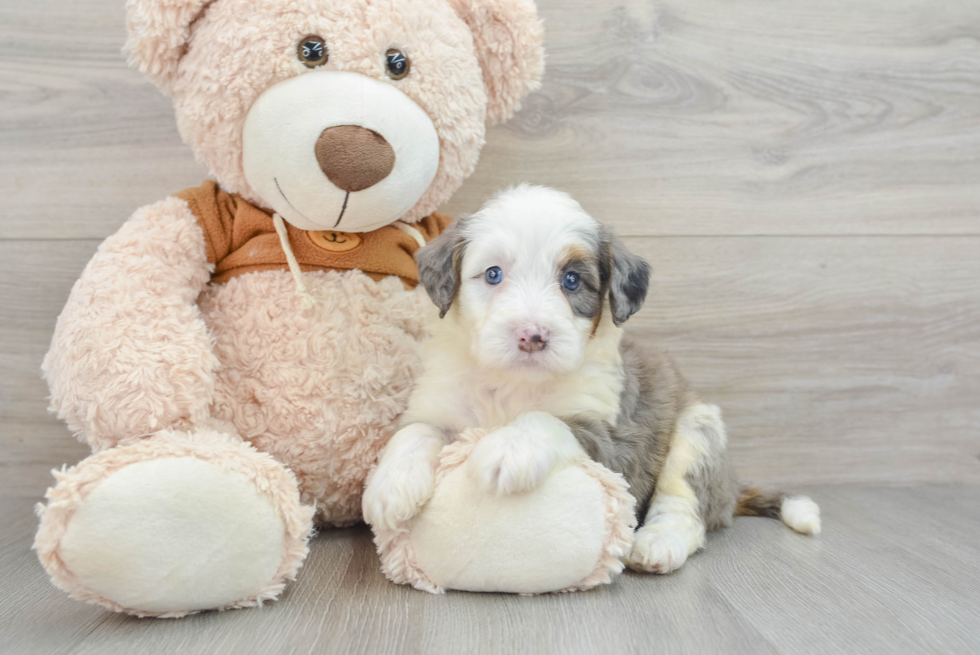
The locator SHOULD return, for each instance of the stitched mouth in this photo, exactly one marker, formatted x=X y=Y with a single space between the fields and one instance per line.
x=287 y=199
x=342 y=209
x=284 y=197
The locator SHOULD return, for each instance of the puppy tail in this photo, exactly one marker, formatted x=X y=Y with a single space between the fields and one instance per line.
x=798 y=512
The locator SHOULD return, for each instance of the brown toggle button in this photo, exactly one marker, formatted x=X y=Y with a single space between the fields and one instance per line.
x=354 y=157
x=334 y=241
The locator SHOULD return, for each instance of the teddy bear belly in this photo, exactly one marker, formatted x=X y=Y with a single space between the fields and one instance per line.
x=319 y=389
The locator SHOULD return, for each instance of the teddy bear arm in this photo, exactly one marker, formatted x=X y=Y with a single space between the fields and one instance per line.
x=131 y=353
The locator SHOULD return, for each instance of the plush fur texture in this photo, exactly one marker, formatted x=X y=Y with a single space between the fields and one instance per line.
x=472 y=62
x=531 y=292
x=486 y=568
x=224 y=451
x=320 y=389
x=147 y=347
x=123 y=370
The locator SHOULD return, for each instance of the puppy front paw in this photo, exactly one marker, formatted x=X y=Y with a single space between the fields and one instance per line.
x=397 y=491
x=507 y=461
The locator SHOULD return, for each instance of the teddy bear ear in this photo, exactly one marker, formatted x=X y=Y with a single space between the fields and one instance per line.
x=508 y=36
x=158 y=35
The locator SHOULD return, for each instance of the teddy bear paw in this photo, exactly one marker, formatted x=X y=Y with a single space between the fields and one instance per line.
x=175 y=534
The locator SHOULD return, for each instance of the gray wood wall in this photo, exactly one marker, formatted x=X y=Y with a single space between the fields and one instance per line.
x=803 y=176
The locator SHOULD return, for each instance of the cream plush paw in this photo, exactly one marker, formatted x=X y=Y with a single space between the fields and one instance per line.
x=517 y=457
x=569 y=533
x=170 y=526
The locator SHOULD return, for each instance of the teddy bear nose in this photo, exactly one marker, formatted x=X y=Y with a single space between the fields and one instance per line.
x=353 y=157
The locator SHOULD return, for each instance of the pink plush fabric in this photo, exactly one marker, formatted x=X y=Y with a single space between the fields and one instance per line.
x=319 y=389
x=507 y=35
x=146 y=344
x=468 y=68
x=229 y=453
x=398 y=557
x=131 y=353
x=158 y=33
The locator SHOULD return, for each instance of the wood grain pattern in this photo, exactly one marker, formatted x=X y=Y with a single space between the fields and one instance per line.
x=896 y=570
x=755 y=117
x=666 y=117
x=834 y=359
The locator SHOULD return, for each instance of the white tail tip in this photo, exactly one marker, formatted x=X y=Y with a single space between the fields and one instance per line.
x=801 y=514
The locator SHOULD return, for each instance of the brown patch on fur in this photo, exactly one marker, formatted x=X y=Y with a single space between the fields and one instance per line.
x=588 y=300
x=573 y=252
x=605 y=275
x=752 y=501
x=595 y=323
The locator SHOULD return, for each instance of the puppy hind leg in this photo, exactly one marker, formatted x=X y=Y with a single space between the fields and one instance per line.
x=673 y=529
x=672 y=532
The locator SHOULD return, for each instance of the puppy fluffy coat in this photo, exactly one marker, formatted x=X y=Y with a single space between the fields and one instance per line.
x=531 y=295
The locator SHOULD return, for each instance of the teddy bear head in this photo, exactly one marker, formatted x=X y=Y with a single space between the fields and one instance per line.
x=339 y=114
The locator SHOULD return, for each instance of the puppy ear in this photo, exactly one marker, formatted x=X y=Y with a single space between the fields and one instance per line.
x=508 y=37
x=158 y=35
x=439 y=264
x=629 y=278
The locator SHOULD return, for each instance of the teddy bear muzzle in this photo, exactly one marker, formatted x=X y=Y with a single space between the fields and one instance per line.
x=320 y=149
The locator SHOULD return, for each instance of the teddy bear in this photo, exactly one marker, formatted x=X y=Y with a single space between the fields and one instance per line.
x=237 y=354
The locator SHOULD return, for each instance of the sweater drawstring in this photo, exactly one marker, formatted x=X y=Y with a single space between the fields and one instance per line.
x=307 y=299
x=411 y=231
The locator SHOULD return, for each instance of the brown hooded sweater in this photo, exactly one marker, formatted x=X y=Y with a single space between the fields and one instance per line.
x=241 y=238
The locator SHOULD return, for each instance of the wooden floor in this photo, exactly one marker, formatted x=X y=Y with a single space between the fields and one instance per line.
x=897 y=570
x=805 y=179
x=803 y=176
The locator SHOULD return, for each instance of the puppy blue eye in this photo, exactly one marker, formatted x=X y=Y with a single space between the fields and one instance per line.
x=494 y=275
x=570 y=281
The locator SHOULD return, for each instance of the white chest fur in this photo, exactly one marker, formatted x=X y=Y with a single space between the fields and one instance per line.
x=456 y=394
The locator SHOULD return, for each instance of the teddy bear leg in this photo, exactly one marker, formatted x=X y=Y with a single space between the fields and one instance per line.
x=175 y=523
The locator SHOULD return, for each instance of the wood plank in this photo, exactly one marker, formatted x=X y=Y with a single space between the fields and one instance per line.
x=857 y=592
x=757 y=588
x=37 y=277
x=834 y=359
x=35 y=617
x=839 y=359
x=84 y=141
x=671 y=118
x=789 y=117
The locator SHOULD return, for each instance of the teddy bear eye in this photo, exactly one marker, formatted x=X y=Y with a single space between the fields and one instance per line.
x=312 y=51
x=396 y=64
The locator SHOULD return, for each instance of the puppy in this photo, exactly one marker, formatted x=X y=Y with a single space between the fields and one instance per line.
x=531 y=295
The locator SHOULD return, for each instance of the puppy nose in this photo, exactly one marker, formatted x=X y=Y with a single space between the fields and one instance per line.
x=532 y=338
x=354 y=157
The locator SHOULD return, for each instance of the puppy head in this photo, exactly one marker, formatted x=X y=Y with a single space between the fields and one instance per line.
x=529 y=278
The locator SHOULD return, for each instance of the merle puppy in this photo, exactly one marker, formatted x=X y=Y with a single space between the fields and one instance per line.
x=531 y=295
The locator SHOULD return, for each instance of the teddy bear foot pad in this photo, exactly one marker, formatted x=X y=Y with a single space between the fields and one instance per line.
x=166 y=536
